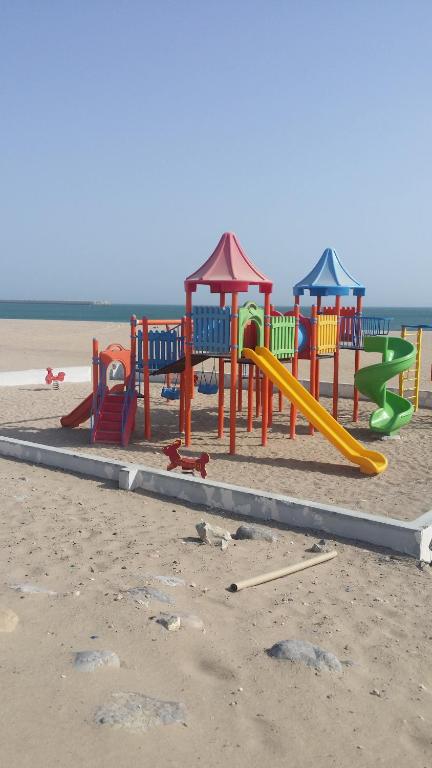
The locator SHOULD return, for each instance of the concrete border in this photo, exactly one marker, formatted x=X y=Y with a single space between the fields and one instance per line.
x=409 y=538
x=75 y=374
x=82 y=374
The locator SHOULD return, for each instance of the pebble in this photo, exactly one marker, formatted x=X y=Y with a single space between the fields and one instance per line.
x=31 y=589
x=213 y=535
x=301 y=651
x=89 y=661
x=142 y=595
x=137 y=712
x=8 y=620
x=375 y=692
x=169 y=581
x=320 y=546
x=255 y=533
x=187 y=620
x=171 y=623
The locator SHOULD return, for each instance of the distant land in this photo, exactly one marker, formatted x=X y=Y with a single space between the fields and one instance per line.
x=52 y=301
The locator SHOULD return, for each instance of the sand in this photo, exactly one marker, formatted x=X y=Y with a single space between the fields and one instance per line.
x=70 y=534
x=88 y=542
x=307 y=468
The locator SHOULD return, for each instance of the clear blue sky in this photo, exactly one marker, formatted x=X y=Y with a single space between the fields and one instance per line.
x=133 y=133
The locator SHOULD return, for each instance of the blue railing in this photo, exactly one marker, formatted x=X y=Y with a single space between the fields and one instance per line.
x=354 y=328
x=165 y=347
x=211 y=329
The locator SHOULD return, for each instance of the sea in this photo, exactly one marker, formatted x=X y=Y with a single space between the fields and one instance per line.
x=121 y=313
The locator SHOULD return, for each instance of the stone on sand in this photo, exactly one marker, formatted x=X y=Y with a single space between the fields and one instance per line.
x=89 y=661
x=171 y=622
x=143 y=595
x=8 y=620
x=137 y=712
x=187 y=620
x=256 y=533
x=303 y=652
x=320 y=546
x=213 y=535
x=31 y=589
x=169 y=581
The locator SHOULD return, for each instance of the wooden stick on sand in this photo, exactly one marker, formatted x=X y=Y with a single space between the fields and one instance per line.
x=238 y=585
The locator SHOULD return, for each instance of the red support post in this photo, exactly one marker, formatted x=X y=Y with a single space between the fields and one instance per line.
x=357 y=360
x=133 y=323
x=234 y=361
x=294 y=366
x=336 y=361
x=95 y=365
x=250 y=397
x=317 y=362
x=221 y=390
x=257 y=392
x=182 y=388
x=240 y=388
x=265 y=381
x=313 y=358
x=188 y=369
x=270 y=403
x=146 y=377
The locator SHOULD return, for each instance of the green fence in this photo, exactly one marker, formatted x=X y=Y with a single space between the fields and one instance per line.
x=282 y=332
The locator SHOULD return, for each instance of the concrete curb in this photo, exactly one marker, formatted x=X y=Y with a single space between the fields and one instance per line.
x=82 y=374
x=412 y=538
x=75 y=374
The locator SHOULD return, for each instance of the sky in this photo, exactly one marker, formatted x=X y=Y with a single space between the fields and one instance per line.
x=134 y=133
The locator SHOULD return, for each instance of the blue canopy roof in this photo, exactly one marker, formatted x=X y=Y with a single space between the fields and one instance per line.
x=329 y=278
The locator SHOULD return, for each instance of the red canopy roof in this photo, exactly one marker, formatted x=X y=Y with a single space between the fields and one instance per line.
x=228 y=269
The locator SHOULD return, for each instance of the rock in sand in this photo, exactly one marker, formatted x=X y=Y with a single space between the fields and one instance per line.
x=213 y=535
x=303 y=652
x=186 y=620
x=31 y=589
x=256 y=533
x=143 y=595
x=137 y=712
x=89 y=661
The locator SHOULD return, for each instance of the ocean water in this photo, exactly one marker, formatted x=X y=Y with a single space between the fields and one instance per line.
x=121 y=313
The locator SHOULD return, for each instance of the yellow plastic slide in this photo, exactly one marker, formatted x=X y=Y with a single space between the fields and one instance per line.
x=370 y=462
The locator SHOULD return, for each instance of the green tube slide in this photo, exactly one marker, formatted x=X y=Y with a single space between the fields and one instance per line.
x=393 y=411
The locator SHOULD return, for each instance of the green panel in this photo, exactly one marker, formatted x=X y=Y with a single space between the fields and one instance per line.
x=251 y=311
x=282 y=334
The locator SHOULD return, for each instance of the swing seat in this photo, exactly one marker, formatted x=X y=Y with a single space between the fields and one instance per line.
x=207 y=388
x=170 y=393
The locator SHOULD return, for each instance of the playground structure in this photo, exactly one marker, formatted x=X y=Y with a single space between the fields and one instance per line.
x=257 y=342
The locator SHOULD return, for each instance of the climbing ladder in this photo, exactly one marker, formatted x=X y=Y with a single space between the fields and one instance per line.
x=409 y=381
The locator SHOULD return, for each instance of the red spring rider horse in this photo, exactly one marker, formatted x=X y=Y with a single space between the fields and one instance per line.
x=50 y=377
x=187 y=464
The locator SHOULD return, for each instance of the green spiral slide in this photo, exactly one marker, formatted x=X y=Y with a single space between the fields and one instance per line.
x=393 y=411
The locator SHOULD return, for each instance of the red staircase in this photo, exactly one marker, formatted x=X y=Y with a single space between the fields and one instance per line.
x=109 y=423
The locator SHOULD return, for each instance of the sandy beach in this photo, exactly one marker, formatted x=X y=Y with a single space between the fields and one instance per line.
x=89 y=543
